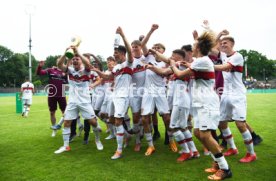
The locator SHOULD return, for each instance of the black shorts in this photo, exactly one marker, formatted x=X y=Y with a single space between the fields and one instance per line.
x=52 y=103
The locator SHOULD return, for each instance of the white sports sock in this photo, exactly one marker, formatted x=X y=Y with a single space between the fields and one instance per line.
x=180 y=139
x=228 y=137
x=149 y=139
x=97 y=133
x=24 y=108
x=120 y=137
x=61 y=121
x=222 y=163
x=189 y=140
x=248 y=142
x=66 y=135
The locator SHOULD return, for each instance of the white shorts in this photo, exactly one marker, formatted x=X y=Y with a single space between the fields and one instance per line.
x=27 y=102
x=106 y=104
x=206 y=119
x=72 y=111
x=149 y=102
x=233 y=108
x=179 y=117
x=119 y=107
x=135 y=103
x=170 y=102
x=97 y=100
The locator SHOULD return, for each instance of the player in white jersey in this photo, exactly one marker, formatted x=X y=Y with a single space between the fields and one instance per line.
x=79 y=97
x=206 y=102
x=233 y=99
x=27 y=90
x=122 y=82
x=138 y=81
x=154 y=94
x=108 y=84
x=181 y=105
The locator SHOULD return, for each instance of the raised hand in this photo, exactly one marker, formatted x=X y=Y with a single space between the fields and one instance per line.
x=195 y=35
x=154 y=27
x=206 y=24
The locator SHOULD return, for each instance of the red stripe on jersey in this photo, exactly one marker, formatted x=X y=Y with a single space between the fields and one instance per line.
x=189 y=139
x=204 y=75
x=236 y=68
x=125 y=70
x=120 y=134
x=27 y=88
x=82 y=78
x=174 y=77
x=139 y=69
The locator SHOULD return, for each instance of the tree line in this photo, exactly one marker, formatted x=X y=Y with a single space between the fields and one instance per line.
x=14 y=67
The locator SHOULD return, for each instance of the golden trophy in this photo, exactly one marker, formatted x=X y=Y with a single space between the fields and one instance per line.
x=75 y=41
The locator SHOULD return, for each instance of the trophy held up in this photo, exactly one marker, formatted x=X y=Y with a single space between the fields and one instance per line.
x=75 y=41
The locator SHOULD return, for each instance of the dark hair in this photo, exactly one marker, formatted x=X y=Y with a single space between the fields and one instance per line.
x=205 y=43
x=179 y=52
x=187 y=48
x=121 y=49
x=110 y=58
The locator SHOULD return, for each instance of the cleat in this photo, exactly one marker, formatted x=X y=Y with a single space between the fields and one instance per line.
x=117 y=155
x=195 y=154
x=85 y=142
x=62 y=149
x=156 y=136
x=55 y=127
x=173 y=146
x=99 y=145
x=230 y=152
x=150 y=151
x=23 y=114
x=213 y=169
x=220 y=175
x=72 y=137
x=110 y=137
x=248 y=158
x=257 y=140
x=137 y=147
x=80 y=130
x=54 y=133
x=184 y=156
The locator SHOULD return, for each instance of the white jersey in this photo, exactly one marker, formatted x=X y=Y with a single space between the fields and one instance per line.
x=139 y=74
x=233 y=84
x=122 y=79
x=154 y=82
x=27 y=88
x=93 y=78
x=79 y=82
x=181 y=97
x=204 y=94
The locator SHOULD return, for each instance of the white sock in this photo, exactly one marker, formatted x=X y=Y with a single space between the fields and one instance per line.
x=222 y=163
x=97 y=133
x=66 y=135
x=189 y=140
x=149 y=139
x=180 y=138
x=248 y=142
x=61 y=121
x=228 y=137
x=120 y=137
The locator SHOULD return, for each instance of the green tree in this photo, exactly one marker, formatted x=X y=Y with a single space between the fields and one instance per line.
x=258 y=66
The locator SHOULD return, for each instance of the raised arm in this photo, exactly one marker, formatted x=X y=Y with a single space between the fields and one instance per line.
x=60 y=63
x=96 y=83
x=127 y=45
x=39 y=70
x=85 y=60
x=147 y=37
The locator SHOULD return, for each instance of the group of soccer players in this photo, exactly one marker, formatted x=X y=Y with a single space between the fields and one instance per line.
x=178 y=87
